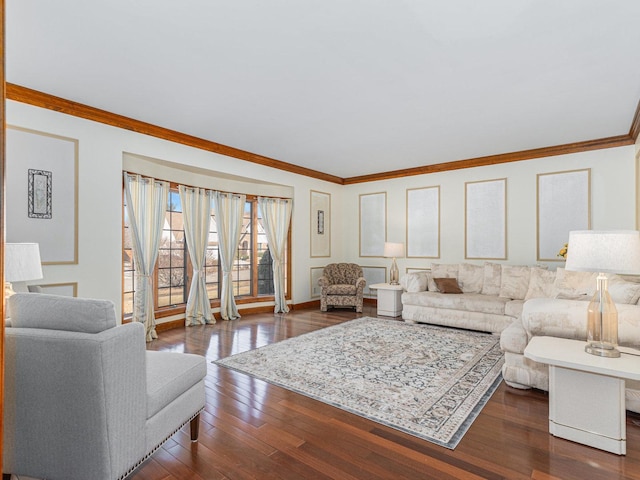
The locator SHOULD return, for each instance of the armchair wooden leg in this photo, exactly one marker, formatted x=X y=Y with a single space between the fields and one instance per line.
x=6 y=476
x=194 y=426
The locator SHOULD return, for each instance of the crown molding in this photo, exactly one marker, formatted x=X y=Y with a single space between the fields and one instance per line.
x=597 y=144
x=634 y=131
x=51 y=102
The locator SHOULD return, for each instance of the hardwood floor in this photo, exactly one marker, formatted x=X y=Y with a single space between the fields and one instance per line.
x=251 y=429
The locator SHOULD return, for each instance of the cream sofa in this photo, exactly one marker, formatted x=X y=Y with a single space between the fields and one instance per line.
x=493 y=296
x=534 y=302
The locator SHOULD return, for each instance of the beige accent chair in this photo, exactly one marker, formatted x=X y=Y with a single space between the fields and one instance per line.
x=342 y=285
x=84 y=399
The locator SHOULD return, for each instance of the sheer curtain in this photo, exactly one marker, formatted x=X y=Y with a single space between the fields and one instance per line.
x=196 y=215
x=146 y=206
x=229 y=209
x=276 y=215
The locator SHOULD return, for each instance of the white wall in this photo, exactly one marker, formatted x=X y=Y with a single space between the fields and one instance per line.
x=102 y=148
x=613 y=188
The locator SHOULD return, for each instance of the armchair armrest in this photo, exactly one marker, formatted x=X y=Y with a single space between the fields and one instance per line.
x=360 y=284
x=323 y=281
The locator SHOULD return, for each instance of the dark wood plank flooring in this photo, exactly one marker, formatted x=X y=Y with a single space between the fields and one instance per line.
x=251 y=429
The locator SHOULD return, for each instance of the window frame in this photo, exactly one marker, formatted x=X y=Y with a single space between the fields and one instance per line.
x=253 y=297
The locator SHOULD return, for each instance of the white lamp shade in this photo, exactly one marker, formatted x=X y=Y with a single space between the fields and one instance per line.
x=22 y=262
x=615 y=251
x=393 y=250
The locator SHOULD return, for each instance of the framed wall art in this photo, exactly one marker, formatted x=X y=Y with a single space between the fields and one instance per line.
x=373 y=224
x=373 y=275
x=42 y=189
x=69 y=289
x=423 y=222
x=486 y=219
x=320 y=224
x=315 y=274
x=564 y=204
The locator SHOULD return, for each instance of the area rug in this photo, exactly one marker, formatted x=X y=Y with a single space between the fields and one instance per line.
x=424 y=380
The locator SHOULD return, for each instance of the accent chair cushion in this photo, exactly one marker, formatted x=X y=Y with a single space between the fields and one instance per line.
x=56 y=312
x=341 y=289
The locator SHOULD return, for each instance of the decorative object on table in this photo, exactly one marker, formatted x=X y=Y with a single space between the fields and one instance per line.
x=563 y=251
x=427 y=381
x=604 y=252
x=21 y=264
x=393 y=250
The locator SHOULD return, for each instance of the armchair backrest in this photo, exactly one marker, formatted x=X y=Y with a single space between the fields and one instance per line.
x=343 y=273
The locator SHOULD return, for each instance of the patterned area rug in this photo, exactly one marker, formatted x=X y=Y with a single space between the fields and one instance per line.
x=427 y=381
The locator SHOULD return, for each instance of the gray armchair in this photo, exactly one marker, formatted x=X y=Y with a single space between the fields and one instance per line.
x=342 y=285
x=83 y=398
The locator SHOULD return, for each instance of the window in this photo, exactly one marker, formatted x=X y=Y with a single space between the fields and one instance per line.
x=252 y=273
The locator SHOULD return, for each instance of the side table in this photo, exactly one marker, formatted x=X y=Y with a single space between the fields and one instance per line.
x=586 y=392
x=389 y=303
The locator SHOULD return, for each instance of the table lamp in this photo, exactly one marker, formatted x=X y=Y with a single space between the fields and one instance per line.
x=21 y=264
x=393 y=250
x=616 y=251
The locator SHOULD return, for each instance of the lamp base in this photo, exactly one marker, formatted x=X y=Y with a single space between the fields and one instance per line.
x=602 y=350
x=394 y=274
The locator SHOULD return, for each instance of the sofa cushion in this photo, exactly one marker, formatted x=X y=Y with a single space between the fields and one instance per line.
x=56 y=312
x=541 y=284
x=442 y=270
x=491 y=278
x=622 y=291
x=415 y=281
x=469 y=302
x=447 y=285
x=514 y=281
x=470 y=277
x=170 y=374
x=575 y=283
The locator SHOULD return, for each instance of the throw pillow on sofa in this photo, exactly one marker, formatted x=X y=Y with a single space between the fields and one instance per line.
x=491 y=279
x=415 y=281
x=470 y=277
x=541 y=284
x=442 y=270
x=514 y=281
x=447 y=285
x=570 y=284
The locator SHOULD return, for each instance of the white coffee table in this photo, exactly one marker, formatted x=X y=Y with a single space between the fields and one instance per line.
x=586 y=392
x=389 y=299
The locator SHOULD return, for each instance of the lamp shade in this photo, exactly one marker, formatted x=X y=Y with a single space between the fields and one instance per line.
x=393 y=250
x=22 y=262
x=614 y=251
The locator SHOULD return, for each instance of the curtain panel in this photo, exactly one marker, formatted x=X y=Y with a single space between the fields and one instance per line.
x=229 y=209
x=146 y=207
x=276 y=216
x=196 y=216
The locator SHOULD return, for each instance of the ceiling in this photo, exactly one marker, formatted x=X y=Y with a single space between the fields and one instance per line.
x=343 y=87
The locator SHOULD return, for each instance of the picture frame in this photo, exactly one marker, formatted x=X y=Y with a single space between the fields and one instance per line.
x=320 y=218
x=373 y=224
x=42 y=210
x=486 y=219
x=39 y=194
x=373 y=275
x=314 y=274
x=563 y=204
x=67 y=289
x=423 y=222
